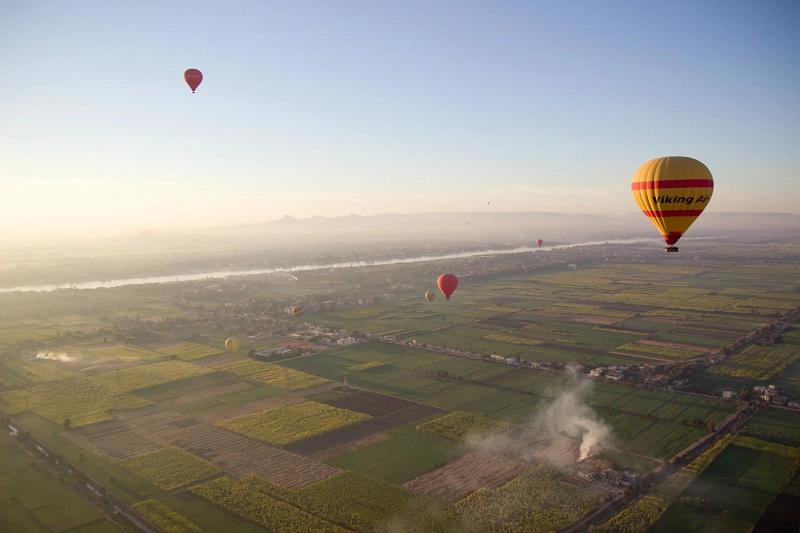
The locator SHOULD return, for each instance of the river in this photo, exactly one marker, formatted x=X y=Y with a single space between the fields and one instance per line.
x=219 y=274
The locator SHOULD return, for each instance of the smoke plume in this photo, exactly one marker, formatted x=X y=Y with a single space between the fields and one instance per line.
x=563 y=432
x=55 y=356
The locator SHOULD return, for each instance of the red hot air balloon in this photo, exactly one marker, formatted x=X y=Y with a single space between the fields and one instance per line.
x=447 y=284
x=193 y=78
x=539 y=243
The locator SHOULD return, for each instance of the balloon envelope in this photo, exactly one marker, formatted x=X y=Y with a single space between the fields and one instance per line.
x=430 y=295
x=539 y=243
x=193 y=78
x=672 y=192
x=296 y=311
x=447 y=284
x=231 y=344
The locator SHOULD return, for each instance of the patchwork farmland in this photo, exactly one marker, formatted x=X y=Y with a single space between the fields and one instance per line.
x=369 y=435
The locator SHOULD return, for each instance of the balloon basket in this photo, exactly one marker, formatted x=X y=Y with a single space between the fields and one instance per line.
x=669 y=249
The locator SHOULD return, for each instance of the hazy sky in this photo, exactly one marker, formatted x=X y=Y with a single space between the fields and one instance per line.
x=335 y=107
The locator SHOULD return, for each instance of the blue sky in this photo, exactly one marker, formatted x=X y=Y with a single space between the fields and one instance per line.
x=338 y=107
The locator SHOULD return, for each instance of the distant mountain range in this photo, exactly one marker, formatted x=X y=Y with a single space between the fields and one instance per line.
x=516 y=227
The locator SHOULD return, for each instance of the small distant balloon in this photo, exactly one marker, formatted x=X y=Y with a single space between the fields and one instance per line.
x=193 y=78
x=296 y=311
x=231 y=344
x=430 y=296
x=539 y=243
x=447 y=284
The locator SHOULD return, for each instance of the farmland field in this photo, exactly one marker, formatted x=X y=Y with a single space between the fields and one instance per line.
x=533 y=502
x=165 y=518
x=281 y=377
x=733 y=491
x=189 y=351
x=377 y=436
x=269 y=512
x=80 y=400
x=32 y=499
x=362 y=503
x=285 y=424
x=403 y=455
x=140 y=377
x=776 y=425
x=169 y=468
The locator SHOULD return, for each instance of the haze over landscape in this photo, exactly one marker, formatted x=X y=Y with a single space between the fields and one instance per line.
x=411 y=267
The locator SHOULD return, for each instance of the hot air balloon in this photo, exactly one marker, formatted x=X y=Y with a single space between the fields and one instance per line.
x=539 y=243
x=672 y=192
x=193 y=78
x=430 y=296
x=447 y=284
x=231 y=344
x=296 y=311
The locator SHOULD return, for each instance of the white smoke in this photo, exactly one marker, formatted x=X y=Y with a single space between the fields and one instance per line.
x=55 y=356
x=565 y=431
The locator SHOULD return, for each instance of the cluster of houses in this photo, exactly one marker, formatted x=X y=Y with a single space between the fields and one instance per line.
x=613 y=373
x=315 y=333
x=771 y=395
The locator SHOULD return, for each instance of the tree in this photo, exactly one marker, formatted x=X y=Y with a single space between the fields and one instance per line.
x=67 y=422
x=81 y=458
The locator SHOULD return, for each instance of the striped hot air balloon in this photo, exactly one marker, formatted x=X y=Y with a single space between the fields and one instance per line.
x=231 y=344
x=430 y=295
x=296 y=311
x=672 y=192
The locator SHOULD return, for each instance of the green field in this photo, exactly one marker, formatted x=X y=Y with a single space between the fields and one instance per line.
x=732 y=493
x=776 y=425
x=406 y=454
x=33 y=499
x=147 y=362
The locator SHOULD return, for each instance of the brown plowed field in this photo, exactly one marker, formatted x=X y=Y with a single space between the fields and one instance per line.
x=466 y=474
x=371 y=403
x=113 y=440
x=236 y=454
x=352 y=446
x=246 y=408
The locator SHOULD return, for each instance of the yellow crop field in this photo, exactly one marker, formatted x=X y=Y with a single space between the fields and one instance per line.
x=287 y=379
x=257 y=507
x=140 y=377
x=758 y=362
x=278 y=376
x=367 y=365
x=169 y=468
x=285 y=424
x=511 y=339
x=535 y=502
x=189 y=351
x=82 y=401
x=165 y=518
